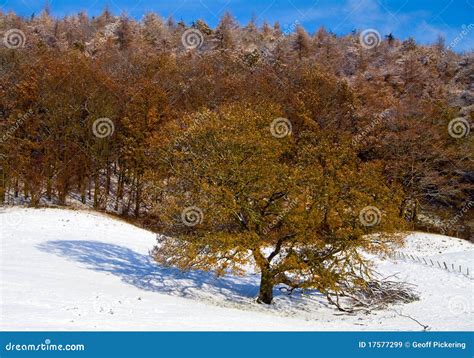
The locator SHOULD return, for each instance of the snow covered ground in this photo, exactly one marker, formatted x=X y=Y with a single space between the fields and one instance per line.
x=80 y=270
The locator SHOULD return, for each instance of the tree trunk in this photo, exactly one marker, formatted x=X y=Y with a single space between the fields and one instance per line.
x=119 y=196
x=3 y=185
x=266 y=288
x=96 y=190
x=17 y=189
x=26 y=189
x=49 y=187
x=83 y=185
x=107 y=185
x=137 y=198
x=35 y=198
x=62 y=194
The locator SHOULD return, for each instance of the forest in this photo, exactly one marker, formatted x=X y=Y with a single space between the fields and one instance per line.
x=239 y=138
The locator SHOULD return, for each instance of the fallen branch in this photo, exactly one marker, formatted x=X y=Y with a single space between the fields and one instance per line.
x=425 y=327
x=374 y=296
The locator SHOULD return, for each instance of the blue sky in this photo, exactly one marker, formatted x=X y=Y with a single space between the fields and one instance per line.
x=421 y=19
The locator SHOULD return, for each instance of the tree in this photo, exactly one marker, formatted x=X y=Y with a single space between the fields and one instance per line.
x=124 y=33
x=225 y=30
x=238 y=188
x=137 y=74
x=440 y=43
x=302 y=43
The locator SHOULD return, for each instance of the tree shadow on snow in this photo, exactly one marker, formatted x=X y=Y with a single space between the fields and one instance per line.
x=141 y=271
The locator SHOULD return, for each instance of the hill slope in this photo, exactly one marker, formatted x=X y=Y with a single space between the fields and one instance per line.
x=75 y=270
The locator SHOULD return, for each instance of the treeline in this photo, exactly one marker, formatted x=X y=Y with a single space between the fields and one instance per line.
x=85 y=102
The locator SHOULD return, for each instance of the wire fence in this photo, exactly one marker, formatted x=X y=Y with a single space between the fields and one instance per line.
x=441 y=264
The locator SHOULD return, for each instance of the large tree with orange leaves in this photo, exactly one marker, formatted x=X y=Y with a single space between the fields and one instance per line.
x=240 y=188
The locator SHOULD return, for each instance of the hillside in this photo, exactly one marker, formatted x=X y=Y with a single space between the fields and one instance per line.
x=80 y=270
x=89 y=119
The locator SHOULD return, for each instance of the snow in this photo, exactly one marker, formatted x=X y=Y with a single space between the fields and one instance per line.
x=432 y=244
x=82 y=270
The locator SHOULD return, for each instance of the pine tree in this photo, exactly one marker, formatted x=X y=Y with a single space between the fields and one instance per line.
x=302 y=43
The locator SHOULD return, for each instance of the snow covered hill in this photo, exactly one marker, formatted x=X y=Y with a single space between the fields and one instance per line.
x=79 y=270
